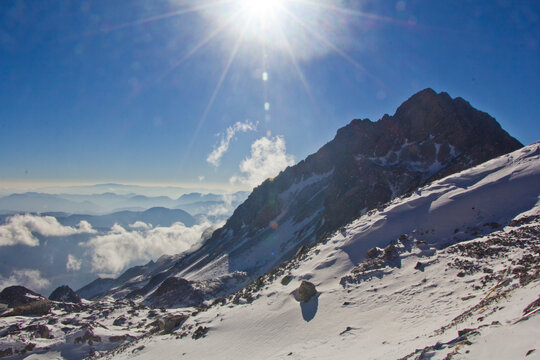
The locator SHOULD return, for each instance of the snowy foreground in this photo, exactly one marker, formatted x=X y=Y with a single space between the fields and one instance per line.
x=451 y=271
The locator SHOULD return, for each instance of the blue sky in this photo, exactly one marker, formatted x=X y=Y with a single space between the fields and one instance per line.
x=143 y=92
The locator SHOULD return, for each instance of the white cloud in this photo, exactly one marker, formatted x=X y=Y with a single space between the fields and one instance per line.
x=73 y=263
x=268 y=158
x=28 y=278
x=113 y=252
x=20 y=229
x=225 y=208
x=214 y=157
x=140 y=225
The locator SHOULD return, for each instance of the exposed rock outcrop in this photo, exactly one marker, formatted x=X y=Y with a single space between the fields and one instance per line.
x=14 y=296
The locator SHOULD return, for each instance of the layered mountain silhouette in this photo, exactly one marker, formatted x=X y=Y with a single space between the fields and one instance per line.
x=366 y=165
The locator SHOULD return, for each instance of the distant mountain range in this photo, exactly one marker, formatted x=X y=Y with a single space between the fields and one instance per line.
x=365 y=166
x=105 y=203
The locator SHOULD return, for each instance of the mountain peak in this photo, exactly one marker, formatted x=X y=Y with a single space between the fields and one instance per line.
x=366 y=165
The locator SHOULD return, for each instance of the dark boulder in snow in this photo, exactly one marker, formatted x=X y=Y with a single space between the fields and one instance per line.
x=286 y=279
x=306 y=291
x=65 y=294
x=200 y=332
x=14 y=296
x=119 y=321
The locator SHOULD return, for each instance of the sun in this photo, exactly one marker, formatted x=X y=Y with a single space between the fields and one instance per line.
x=259 y=10
x=260 y=17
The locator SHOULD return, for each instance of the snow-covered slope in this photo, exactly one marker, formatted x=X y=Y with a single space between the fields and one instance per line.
x=451 y=269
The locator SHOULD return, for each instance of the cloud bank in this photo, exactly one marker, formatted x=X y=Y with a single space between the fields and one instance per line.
x=20 y=229
x=215 y=156
x=268 y=157
x=113 y=252
x=28 y=278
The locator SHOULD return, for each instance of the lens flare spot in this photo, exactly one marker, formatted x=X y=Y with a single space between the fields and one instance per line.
x=265 y=76
x=267 y=106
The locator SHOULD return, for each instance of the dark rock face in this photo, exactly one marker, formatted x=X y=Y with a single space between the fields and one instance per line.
x=14 y=296
x=65 y=294
x=306 y=291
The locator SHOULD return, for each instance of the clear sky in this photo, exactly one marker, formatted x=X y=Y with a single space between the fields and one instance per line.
x=227 y=93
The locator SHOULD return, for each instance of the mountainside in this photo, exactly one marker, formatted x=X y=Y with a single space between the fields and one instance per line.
x=451 y=270
x=366 y=165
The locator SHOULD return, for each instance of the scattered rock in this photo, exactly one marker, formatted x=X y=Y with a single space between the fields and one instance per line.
x=390 y=252
x=532 y=306
x=302 y=249
x=306 y=291
x=286 y=279
x=420 y=266
x=89 y=337
x=200 y=332
x=137 y=349
x=6 y=352
x=167 y=325
x=119 y=321
x=530 y=352
x=119 y=338
x=41 y=331
x=373 y=253
x=464 y=332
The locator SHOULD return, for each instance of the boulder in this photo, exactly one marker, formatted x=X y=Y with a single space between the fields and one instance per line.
x=286 y=279
x=119 y=321
x=306 y=291
x=167 y=325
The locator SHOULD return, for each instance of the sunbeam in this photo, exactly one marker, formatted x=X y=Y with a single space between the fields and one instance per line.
x=192 y=9
x=328 y=43
x=214 y=94
x=297 y=67
x=199 y=45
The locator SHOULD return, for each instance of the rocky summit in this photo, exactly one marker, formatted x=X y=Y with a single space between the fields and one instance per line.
x=65 y=294
x=366 y=165
x=14 y=296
